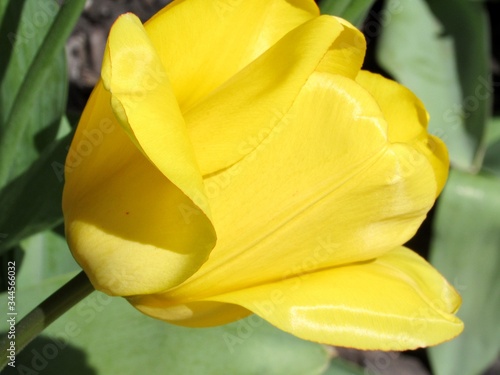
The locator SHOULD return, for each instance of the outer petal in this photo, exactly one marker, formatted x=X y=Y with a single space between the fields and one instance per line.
x=144 y=104
x=324 y=188
x=346 y=55
x=204 y=43
x=126 y=208
x=408 y=121
x=396 y=302
x=232 y=121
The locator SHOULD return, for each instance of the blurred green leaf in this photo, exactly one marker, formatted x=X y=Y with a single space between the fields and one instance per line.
x=105 y=335
x=32 y=201
x=466 y=249
x=422 y=52
x=33 y=89
x=10 y=15
x=492 y=157
x=354 y=11
x=48 y=257
x=339 y=366
x=467 y=23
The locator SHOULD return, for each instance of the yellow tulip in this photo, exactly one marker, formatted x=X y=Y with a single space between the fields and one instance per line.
x=234 y=159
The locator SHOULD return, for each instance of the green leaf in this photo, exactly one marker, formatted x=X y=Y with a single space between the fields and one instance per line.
x=106 y=335
x=492 y=157
x=30 y=197
x=10 y=15
x=20 y=42
x=354 y=11
x=467 y=23
x=466 y=249
x=339 y=366
x=42 y=256
x=33 y=89
x=47 y=256
x=32 y=202
x=422 y=52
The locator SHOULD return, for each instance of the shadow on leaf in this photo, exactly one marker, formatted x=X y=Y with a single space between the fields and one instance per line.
x=50 y=356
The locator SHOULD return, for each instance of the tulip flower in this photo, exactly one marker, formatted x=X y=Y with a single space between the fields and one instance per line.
x=235 y=159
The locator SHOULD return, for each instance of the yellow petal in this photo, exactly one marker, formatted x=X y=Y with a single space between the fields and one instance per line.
x=204 y=43
x=325 y=188
x=196 y=314
x=144 y=104
x=135 y=210
x=235 y=119
x=396 y=302
x=347 y=53
x=408 y=120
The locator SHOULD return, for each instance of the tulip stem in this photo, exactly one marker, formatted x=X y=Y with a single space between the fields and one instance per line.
x=44 y=314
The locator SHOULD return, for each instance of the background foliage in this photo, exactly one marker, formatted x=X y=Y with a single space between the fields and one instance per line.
x=441 y=49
